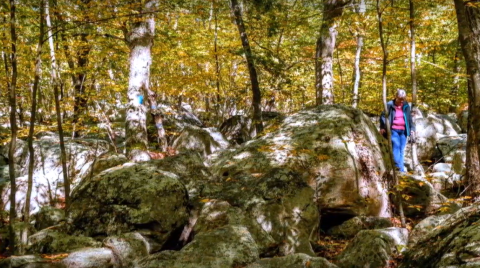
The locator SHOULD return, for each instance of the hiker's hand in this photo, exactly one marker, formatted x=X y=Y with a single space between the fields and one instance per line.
x=382 y=131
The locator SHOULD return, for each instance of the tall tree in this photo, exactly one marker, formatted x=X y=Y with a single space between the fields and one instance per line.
x=140 y=41
x=332 y=9
x=256 y=94
x=468 y=17
x=12 y=96
x=56 y=84
x=360 y=9
x=33 y=112
x=413 y=75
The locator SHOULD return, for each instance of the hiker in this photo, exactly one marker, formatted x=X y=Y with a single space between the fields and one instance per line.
x=401 y=126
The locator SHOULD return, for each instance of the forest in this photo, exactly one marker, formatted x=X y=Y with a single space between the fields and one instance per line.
x=73 y=67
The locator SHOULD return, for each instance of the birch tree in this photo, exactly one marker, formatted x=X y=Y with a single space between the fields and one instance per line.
x=31 y=131
x=140 y=41
x=360 y=10
x=332 y=9
x=56 y=84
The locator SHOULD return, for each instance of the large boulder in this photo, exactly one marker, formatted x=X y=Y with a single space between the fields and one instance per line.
x=373 y=248
x=225 y=247
x=204 y=140
x=215 y=214
x=91 y=258
x=429 y=130
x=129 y=197
x=127 y=247
x=334 y=149
x=280 y=201
x=452 y=243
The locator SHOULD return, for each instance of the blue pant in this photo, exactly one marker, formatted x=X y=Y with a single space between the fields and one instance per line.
x=399 y=140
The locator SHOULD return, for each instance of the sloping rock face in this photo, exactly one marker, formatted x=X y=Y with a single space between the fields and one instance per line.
x=336 y=150
x=130 y=197
x=47 y=173
x=453 y=243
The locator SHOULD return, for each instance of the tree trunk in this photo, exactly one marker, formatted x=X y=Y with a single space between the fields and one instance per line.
x=140 y=41
x=219 y=112
x=468 y=17
x=79 y=86
x=13 y=127
x=418 y=169
x=397 y=195
x=472 y=165
x=360 y=9
x=31 y=131
x=256 y=94
x=456 y=81
x=56 y=83
x=332 y=9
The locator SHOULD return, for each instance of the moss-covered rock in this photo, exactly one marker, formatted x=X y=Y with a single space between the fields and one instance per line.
x=336 y=149
x=225 y=247
x=278 y=200
x=293 y=261
x=127 y=198
x=216 y=214
x=48 y=216
x=30 y=261
x=91 y=258
x=453 y=243
x=52 y=241
x=369 y=248
x=127 y=247
x=351 y=227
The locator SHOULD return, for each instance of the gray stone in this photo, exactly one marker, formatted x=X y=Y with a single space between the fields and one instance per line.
x=29 y=261
x=90 y=258
x=225 y=247
x=122 y=199
x=53 y=241
x=454 y=242
x=351 y=227
x=204 y=140
x=369 y=248
x=293 y=261
x=424 y=227
x=48 y=216
x=127 y=247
